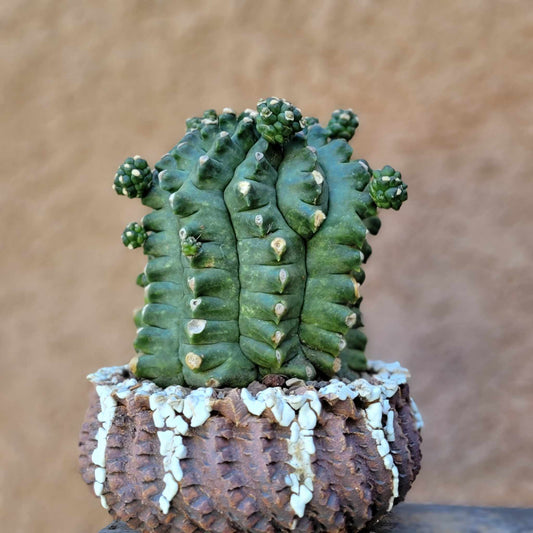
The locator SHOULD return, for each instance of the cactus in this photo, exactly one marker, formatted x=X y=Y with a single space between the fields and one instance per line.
x=255 y=244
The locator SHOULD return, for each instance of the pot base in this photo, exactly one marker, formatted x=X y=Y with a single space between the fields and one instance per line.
x=329 y=456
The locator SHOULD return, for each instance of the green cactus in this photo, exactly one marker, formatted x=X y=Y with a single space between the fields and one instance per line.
x=255 y=248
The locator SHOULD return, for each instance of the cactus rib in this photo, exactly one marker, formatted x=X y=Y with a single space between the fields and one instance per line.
x=269 y=313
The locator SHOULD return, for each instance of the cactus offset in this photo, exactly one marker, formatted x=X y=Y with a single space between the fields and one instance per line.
x=255 y=245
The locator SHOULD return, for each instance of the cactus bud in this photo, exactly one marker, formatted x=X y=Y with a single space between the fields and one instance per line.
x=387 y=188
x=342 y=124
x=133 y=178
x=278 y=120
x=134 y=235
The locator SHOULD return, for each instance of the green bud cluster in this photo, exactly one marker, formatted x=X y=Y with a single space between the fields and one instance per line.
x=387 y=188
x=190 y=247
x=194 y=123
x=134 y=235
x=342 y=124
x=256 y=242
x=278 y=120
x=133 y=178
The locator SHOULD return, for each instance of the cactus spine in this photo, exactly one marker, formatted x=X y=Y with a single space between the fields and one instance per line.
x=255 y=245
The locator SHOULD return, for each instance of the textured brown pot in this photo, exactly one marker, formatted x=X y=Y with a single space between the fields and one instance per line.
x=307 y=457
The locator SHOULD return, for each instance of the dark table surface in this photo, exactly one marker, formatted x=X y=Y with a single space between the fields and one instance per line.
x=428 y=518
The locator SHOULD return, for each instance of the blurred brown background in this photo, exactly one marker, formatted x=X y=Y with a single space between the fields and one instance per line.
x=441 y=89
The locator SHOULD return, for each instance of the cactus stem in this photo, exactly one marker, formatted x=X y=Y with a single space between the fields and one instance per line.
x=279 y=246
x=229 y=269
x=193 y=360
x=196 y=325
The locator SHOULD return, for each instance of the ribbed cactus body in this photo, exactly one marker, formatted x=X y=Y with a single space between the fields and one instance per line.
x=334 y=257
x=158 y=322
x=271 y=265
x=255 y=246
